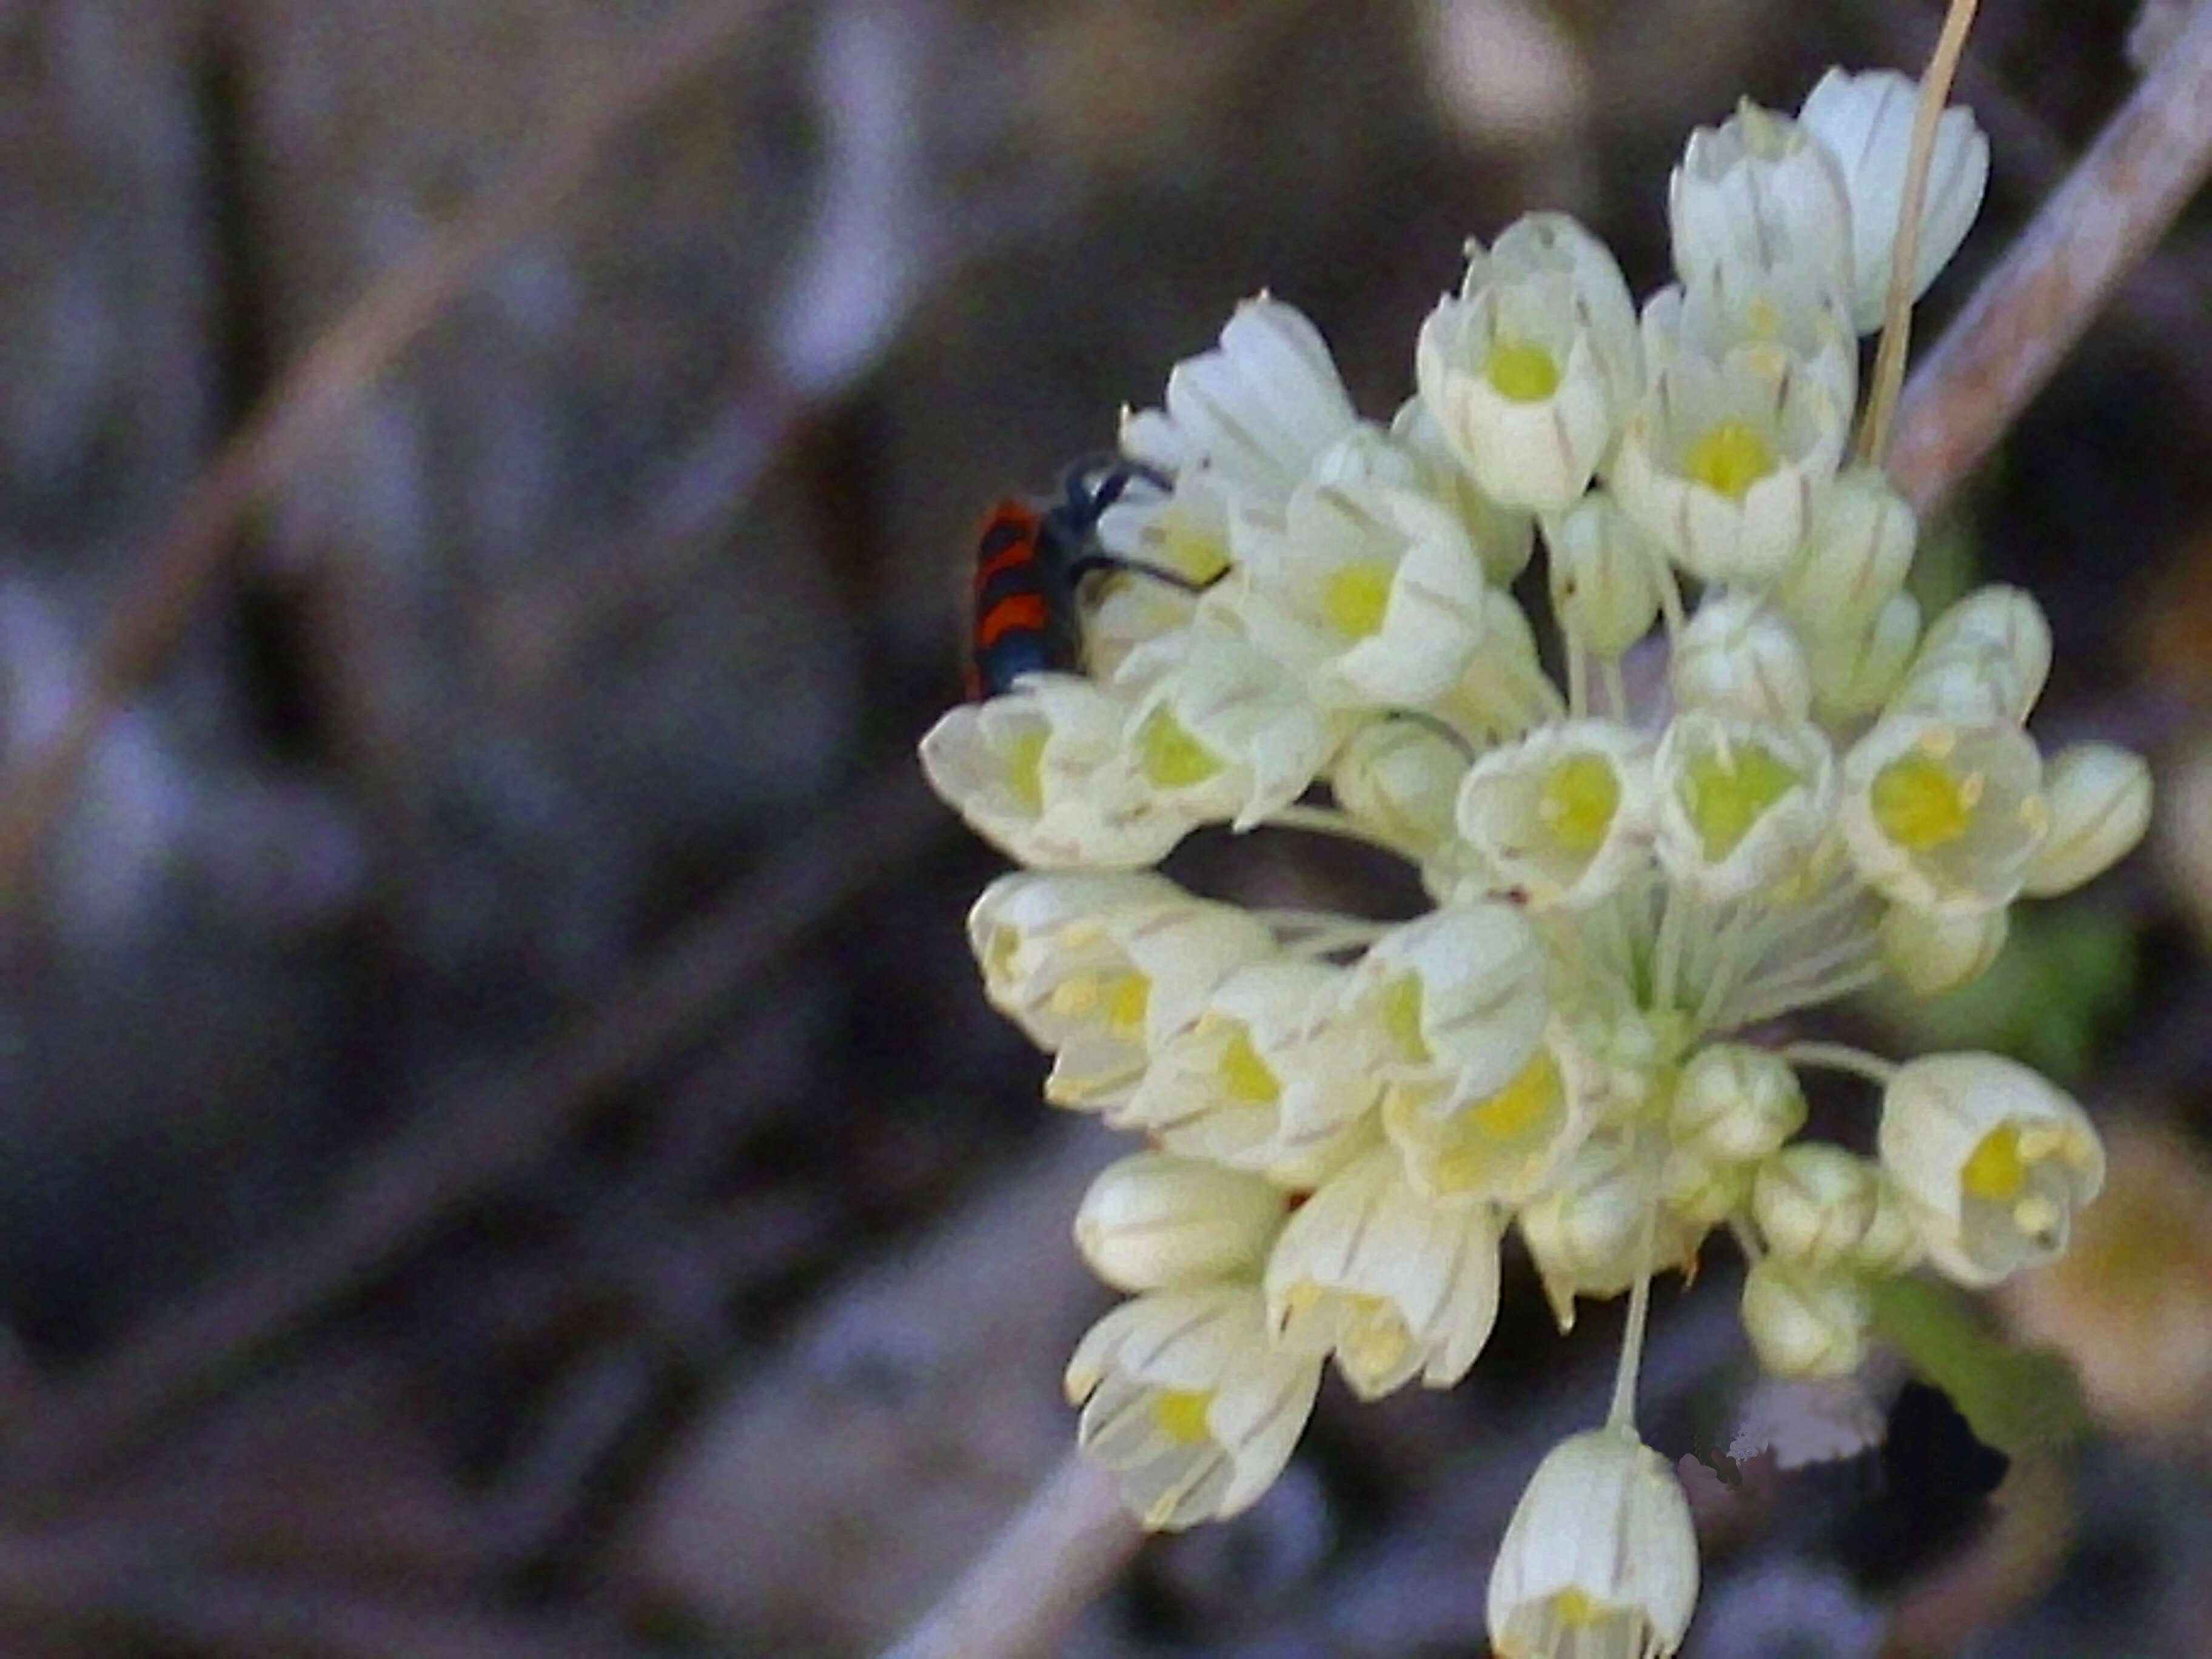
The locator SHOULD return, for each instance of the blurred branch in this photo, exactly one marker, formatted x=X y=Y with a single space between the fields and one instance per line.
x=328 y=385
x=455 y=1152
x=1056 y=1555
x=2120 y=199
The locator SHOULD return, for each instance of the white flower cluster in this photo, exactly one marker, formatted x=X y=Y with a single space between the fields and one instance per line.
x=1716 y=815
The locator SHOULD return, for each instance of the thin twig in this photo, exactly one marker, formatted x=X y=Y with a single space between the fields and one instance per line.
x=1065 y=1546
x=1905 y=253
x=2119 y=199
x=327 y=385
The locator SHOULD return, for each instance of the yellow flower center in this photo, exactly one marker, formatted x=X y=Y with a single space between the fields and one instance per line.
x=1371 y=1337
x=1577 y=802
x=1728 y=790
x=1245 y=1077
x=1180 y=1414
x=1355 y=597
x=1170 y=756
x=1522 y=1105
x=1921 y=805
x=1996 y=1170
x=1575 y=1609
x=1728 y=458
x=1522 y=372
x=1118 y=1000
x=1024 y=773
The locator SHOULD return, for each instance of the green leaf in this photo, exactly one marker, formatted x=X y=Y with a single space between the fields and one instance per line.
x=2018 y=1400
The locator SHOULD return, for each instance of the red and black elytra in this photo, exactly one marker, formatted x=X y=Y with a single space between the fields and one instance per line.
x=1030 y=562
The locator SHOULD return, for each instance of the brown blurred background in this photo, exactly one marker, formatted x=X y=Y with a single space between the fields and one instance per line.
x=501 y=1151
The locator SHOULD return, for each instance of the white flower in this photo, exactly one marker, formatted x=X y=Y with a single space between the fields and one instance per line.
x=1041 y=774
x=1502 y=1144
x=1604 y=574
x=1743 y=803
x=1529 y=369
x=1375 y=590
x=1600 y=1557
x=1990 y=1159
x=1759 y=191
x=1216 y=729
x=1725 y=466
x=1866 y=121
x=1098 y=970
x=1775 y=317
x=1390 y=1281
x=1256 y=410
x=1457 y=998
x=1941 y=816
x=1154 y=1221
x=1260 y=1078
x=1185 y=1398
x=1737 y=656
x=1565 y=815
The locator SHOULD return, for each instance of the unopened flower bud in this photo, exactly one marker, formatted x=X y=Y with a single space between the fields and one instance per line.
x=1814 y=1202
x=1931 y=951
x=2100 y=797
x=1588 y=1231
x=1855 y=672
x=1857 y=550
x=1735 y=1103
x=1400 y=777
x=1891 y=1243
x=1983 y=661
x=1153 y=1221
x=1737 y=656
x=1604 y=574
x=1804 y=1321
